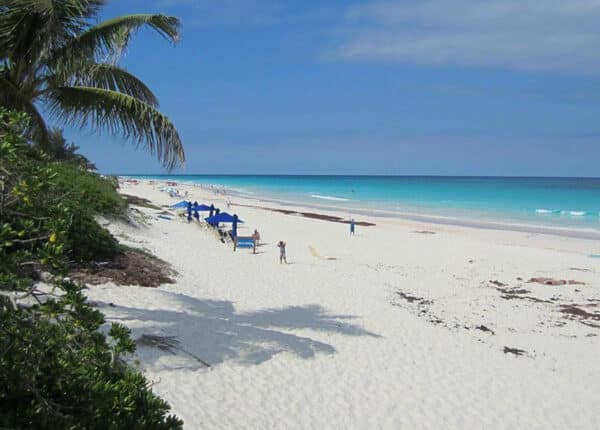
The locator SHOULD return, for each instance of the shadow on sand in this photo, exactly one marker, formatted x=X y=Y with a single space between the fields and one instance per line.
x=214 y=332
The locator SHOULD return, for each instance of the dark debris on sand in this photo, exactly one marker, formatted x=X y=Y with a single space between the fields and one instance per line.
x=497 y=283
x=130 y=267
x=521 y=297
x=164 y=343
x=577 y=312
x=515 y=351
x=422 y=306
x=313 y=215
x=411 y=299
x=485 y=329
x=513 y=290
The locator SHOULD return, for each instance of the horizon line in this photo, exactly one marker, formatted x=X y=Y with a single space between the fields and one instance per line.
x=352 y=175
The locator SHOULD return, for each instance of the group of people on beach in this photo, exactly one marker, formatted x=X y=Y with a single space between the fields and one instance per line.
x=193 y=208
x=193 y=213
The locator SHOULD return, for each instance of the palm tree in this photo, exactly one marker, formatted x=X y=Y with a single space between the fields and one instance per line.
x=58 y=149
x=55 y=59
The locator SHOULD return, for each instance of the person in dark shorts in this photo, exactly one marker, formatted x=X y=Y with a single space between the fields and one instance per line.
x=352 y=226
x=281 y=246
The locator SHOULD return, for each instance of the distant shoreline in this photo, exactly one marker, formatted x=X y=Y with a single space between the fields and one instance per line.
x=342 y=211
x=291 y=175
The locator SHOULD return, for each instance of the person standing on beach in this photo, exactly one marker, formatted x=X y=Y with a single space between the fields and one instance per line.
x=196 y=213
x=281 y=246
x=256 y=237
x=189 y=212
x=352 y=224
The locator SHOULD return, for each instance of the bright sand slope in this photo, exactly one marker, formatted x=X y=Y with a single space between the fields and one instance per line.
x=382 y=336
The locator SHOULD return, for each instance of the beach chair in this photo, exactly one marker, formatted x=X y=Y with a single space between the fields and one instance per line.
x=244 y=242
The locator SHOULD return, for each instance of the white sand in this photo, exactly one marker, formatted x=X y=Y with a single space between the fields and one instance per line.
x=323 y=343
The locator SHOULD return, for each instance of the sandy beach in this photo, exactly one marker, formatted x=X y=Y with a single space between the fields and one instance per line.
x=404 y=325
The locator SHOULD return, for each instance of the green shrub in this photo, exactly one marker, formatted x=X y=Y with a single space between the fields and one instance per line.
x=33 y=219
x=57 y=369
x=61 y=374
x=94 y=193
x=88 y=241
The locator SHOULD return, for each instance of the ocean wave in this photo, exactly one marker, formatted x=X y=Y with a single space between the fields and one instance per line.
x=573 y=213
x=333 y=198
x=565 y=212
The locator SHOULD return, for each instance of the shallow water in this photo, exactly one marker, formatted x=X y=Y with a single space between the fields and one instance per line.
x=569 y=203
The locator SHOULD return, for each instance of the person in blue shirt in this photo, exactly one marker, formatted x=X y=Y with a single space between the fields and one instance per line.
x=352 y=227
x=196 y=213
x=189 y=209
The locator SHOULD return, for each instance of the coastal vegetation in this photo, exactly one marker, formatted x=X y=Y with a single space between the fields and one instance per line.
x=61 y=365
x=58 y=149
x=57 y=369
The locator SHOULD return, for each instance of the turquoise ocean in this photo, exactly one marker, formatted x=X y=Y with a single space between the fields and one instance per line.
x=564 y=203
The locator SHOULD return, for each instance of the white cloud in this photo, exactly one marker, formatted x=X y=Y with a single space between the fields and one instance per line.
x=519 y=34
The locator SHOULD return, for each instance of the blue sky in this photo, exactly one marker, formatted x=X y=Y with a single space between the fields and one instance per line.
x=447 y=87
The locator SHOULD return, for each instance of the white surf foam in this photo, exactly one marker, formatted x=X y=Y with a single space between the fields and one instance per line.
x=333 y=198
x=573 y=213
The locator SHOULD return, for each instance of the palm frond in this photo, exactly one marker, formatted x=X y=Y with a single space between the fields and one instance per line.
x=105 y=76
x=12 y=98
x=21 y=34
x=41 y=25
x=117 y=113
x=110 y=37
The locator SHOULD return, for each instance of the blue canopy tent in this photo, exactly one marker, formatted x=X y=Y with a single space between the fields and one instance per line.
x=222 y=217
x=201 y=208
x=196 y=208
x=225 y=217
